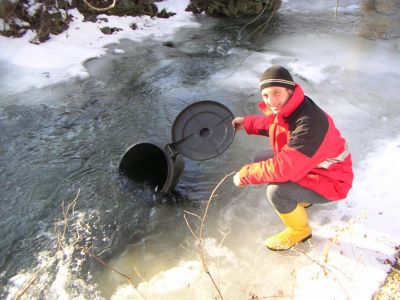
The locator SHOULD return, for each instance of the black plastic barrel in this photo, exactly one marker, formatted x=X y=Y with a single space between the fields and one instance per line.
x=148 y=162
x=201 y=131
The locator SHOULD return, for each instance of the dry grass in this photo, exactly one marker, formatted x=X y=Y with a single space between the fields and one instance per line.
x=390 y=290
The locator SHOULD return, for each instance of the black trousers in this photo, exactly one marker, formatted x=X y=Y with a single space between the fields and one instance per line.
x=284 y=196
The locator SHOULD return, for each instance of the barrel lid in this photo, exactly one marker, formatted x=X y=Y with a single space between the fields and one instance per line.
x=203 y=130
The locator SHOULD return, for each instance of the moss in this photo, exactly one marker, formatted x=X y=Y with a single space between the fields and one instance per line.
x=109 y=30
x=390 y=290
x=164 y=14
x=134 y=8
x=122 y=8
x=50 y=17
x=231 y=8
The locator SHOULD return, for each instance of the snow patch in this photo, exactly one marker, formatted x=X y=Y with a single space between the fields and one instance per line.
x=308 y=71
x=118 y=51
x=61 y=58
x=4 y=26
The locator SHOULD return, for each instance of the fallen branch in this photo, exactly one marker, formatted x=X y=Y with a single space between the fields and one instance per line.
x=33 y=278
x=199 y=237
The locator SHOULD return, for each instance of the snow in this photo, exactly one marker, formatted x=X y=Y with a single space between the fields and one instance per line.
x=359 y=234
x=4 y=25
x=33 y=8
x=119 y=51
x=62 y=57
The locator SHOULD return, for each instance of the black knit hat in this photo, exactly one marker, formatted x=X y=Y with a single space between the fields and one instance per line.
x=276 y=76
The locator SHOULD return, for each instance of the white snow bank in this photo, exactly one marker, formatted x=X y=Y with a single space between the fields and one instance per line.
x=62 y=57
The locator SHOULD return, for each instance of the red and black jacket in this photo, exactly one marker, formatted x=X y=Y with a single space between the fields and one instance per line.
x=308 y=148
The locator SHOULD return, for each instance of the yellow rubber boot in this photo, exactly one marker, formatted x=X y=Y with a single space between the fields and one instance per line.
x=305 y=204
x=297 y=230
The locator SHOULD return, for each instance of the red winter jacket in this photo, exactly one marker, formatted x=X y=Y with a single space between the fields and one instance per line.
x=308 y=149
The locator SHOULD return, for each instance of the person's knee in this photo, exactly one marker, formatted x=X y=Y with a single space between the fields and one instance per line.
x=277 y=196
x=273 y=193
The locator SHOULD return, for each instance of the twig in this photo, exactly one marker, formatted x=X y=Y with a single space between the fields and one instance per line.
x=103 y=251
x=138 y=274
x=356 y=265
x=190 y=228
x=90 y=253
x=71 y=205
x=324 y=268
x=337 y=6
x=27 y=285
x=236 y=69
x=201 y=234
x=193 y=214
x=70 y=209
x=209 y=202
x=60 y=241
x=100 y=9
x=255 y=19
x=224 y=235
x=274 y=10
x=205 y=267
x=199 y=238
x=275 y=297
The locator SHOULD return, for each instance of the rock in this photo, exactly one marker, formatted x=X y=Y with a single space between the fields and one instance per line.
x=109 y=30
x=169 y=44
x=118 y=51
x=44 y=18
x=133 y=26
x=164 y=14
x=49 y=22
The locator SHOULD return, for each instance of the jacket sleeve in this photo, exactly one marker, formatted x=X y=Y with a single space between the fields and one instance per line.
x=287 y=165
x=257 y=124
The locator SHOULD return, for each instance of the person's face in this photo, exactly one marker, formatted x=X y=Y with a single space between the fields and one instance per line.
x=275 y=97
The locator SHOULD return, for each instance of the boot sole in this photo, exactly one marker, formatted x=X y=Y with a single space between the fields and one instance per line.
x=302 y=241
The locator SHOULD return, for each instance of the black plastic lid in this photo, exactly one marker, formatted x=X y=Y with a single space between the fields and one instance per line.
x=203 y=130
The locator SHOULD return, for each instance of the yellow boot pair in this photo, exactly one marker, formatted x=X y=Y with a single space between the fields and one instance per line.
x=297 y=230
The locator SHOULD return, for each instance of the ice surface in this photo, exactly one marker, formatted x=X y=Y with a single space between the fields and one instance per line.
x=354 y=79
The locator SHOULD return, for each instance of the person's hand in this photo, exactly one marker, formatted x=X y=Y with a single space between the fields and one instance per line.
x=236 y=179
x=238 y=123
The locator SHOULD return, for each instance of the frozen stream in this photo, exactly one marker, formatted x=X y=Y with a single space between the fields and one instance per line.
x=67 y=137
